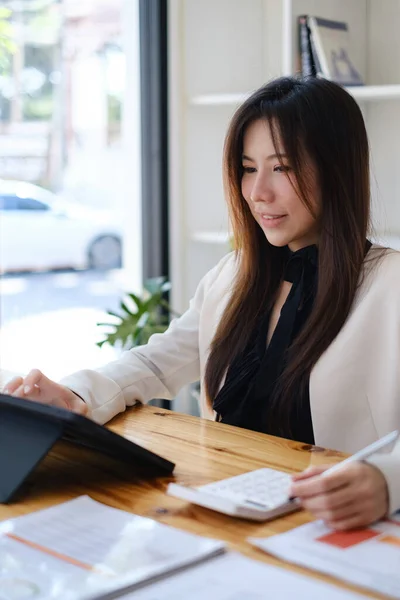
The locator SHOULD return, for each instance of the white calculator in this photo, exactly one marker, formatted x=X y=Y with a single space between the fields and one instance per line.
x=257 y=495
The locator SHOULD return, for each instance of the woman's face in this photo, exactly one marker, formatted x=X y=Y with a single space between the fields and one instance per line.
x=270 y=194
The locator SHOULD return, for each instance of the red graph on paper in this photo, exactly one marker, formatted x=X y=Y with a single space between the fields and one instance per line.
x=347 y=539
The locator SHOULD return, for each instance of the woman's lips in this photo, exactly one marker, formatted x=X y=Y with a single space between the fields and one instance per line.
x=271 y=221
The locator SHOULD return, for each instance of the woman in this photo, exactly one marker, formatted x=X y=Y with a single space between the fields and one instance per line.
x=297 y=333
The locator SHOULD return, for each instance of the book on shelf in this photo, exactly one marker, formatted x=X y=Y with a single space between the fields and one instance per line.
x=307 y=65
x=324 y=47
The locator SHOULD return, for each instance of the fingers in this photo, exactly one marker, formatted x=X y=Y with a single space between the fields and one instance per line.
x=315 y=484
x=357 y=513
x=20 y=392
x=24 y=387
x=325 y=504
x=33 y=380
x=355 y=496
x=36 y=386
x=338 y=515
x=310 y=472
x=27 y=387
x=13 y=385
x=352 y=521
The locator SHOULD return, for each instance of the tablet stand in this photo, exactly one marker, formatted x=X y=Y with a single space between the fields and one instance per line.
x=24 y=442
x=28 y=430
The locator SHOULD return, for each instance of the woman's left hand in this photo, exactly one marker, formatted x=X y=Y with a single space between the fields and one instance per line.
x=351 y=497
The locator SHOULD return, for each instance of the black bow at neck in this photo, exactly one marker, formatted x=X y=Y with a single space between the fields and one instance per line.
x=251 y=379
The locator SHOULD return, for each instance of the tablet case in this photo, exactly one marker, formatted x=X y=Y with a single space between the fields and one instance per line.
x=28 y=430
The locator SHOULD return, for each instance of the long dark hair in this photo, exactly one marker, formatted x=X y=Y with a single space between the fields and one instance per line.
x=319 y=119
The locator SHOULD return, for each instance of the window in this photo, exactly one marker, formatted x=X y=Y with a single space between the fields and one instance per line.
x=8 y=202
x=68 y=71
x=30 y=204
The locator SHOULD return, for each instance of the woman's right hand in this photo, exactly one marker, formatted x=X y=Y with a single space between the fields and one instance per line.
x=36 y=386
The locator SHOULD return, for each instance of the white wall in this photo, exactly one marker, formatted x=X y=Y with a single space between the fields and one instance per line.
x=214 y=48
x=234 y=46
x=383 y=118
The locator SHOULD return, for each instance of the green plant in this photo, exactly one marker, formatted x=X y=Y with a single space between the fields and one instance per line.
x=39 y=108
x=140 y=317
x=7 y=44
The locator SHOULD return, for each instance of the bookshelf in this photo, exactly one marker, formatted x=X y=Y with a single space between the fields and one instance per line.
x=365 y=93
x=222 y=50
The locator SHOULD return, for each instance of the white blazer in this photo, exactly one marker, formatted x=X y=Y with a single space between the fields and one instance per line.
x=354 y=386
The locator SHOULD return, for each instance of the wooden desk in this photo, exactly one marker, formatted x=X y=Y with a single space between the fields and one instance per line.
x=203 y=452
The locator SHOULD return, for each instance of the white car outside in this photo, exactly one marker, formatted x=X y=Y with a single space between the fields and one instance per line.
x=39 y=230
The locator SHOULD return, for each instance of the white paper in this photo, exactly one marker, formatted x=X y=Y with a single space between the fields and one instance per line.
x=369 y=558
x=81 y=548
x=234 y=577
x=26 y=573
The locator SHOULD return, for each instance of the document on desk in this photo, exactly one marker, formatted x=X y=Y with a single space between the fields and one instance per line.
x=234 y=577
x=367 y=557
x=83 y=549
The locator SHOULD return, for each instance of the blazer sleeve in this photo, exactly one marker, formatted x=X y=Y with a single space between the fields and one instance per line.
x=156 y=370
x=389 y=464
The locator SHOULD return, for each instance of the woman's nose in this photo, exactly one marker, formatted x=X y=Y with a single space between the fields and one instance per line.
x=261 y=191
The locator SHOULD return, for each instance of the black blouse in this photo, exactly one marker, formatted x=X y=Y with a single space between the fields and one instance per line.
x=250 y=386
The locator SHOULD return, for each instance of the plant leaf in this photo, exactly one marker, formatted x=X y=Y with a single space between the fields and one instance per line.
x=149 y=314
x=154 y=284
x=126 y=309
x=136 y=300
x=113 y=314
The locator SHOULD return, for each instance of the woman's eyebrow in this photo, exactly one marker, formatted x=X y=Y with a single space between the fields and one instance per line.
x=278 y=155
x=270 y=157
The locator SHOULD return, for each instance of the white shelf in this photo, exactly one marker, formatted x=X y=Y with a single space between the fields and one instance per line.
x=200 y=109
x=370 y=93
x=366 y=93
x=211 y=237
x=219 y=99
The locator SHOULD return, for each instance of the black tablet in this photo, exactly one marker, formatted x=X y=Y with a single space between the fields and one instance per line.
x=29 y=429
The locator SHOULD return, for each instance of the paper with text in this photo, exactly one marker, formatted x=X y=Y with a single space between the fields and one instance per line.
x=81 y=549
x=367 y=557
x=234 y=577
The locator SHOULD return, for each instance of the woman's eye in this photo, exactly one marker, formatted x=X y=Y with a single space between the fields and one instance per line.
x=281 y=168
x=248 y=169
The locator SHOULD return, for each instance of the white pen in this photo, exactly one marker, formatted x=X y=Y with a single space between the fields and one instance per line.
x=365 y=452
x=384 y=441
